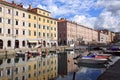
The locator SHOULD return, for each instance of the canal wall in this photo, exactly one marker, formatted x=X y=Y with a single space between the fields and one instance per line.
x=13 y=51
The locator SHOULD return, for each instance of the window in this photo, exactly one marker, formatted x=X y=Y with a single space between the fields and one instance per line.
x=29 y=67
x=23 y=23
x=9 y=11
x=55 y=35
x=29 y=24
x=34 y=25
x=35 y=74
x=0 y=9
x=9 y=21
x=47 y=21
x=0 y=30
x=29 y=16
x=0 y=20
x=16 y=78
x=23 y=44
x=43 y=34
x=17 y=32
x=16 y=13
x=43 y=27
x=8 y=31
x=55 y=29
x=16 y=22
x=34 y=17
x=34 y=33
x=43 y=20
x=9 y=43
x=47 y=27
x=39 y=33
x=16 y=70
x=35 y=66
x=54 y=22
x=51 y=22
x=23 y=14
x=29 y=75
x=39 y=26
x=8 y=71
x=23 y=77
x=23 y=32
x=39 y=19
x=29 y=33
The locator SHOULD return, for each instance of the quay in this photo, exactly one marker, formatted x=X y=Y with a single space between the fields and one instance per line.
x=49 y=49
x=112 y=73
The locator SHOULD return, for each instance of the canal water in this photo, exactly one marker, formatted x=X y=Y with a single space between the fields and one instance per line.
x=55 y=66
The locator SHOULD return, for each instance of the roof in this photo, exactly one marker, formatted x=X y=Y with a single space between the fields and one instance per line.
x=20 y=7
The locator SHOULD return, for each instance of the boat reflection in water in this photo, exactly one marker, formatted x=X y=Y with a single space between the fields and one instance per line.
x=25 y=68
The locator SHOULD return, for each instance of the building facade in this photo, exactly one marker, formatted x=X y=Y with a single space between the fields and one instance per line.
x=106 y=35
x=102 y=37
x=26 y=28
x=72 y=33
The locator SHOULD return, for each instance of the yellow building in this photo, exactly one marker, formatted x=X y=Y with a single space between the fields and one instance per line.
x=46 y=27
x=26 y=28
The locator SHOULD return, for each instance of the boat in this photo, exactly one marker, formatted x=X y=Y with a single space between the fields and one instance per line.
x=33 y=53
x=103 y=56
x=20 y=54
x=91 y=65
x=92 y=60
x=97 y=55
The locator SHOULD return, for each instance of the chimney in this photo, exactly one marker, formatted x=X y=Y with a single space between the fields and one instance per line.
x=20 y=5
x=30 y=6
x=13 y=2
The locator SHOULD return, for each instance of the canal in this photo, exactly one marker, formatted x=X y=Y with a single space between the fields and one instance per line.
x=55 y=66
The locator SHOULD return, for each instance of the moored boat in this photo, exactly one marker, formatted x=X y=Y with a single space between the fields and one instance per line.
x=92 y=60
x=20 y=54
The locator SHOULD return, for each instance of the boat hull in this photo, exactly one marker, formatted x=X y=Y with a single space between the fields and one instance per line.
x=92 y=60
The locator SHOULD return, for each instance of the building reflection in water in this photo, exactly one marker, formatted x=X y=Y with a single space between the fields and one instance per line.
x=66 y=63
x=34 y=68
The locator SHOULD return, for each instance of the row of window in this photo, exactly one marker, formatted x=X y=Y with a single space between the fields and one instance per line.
x=29 y=24
x=29 y=32
x=9 y=11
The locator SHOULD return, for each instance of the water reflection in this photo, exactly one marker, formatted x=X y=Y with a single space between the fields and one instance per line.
x=34 y=68
x=51 y=67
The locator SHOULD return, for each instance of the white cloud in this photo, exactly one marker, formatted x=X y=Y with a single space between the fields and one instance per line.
x=83 y=20
x=110 y=17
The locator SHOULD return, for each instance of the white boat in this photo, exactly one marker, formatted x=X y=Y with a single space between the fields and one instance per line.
x=20 y=54
x=92 y=60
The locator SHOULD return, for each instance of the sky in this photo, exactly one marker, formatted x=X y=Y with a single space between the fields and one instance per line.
x=97 y=14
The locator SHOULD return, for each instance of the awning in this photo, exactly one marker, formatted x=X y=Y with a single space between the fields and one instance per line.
x=31 y=41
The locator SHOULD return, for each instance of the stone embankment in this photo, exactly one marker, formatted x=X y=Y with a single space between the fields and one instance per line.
x=13 y=51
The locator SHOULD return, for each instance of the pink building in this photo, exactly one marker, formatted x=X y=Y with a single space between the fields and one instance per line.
x=72 y=33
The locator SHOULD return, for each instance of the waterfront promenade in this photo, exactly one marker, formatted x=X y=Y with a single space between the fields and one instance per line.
x=112 y=73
